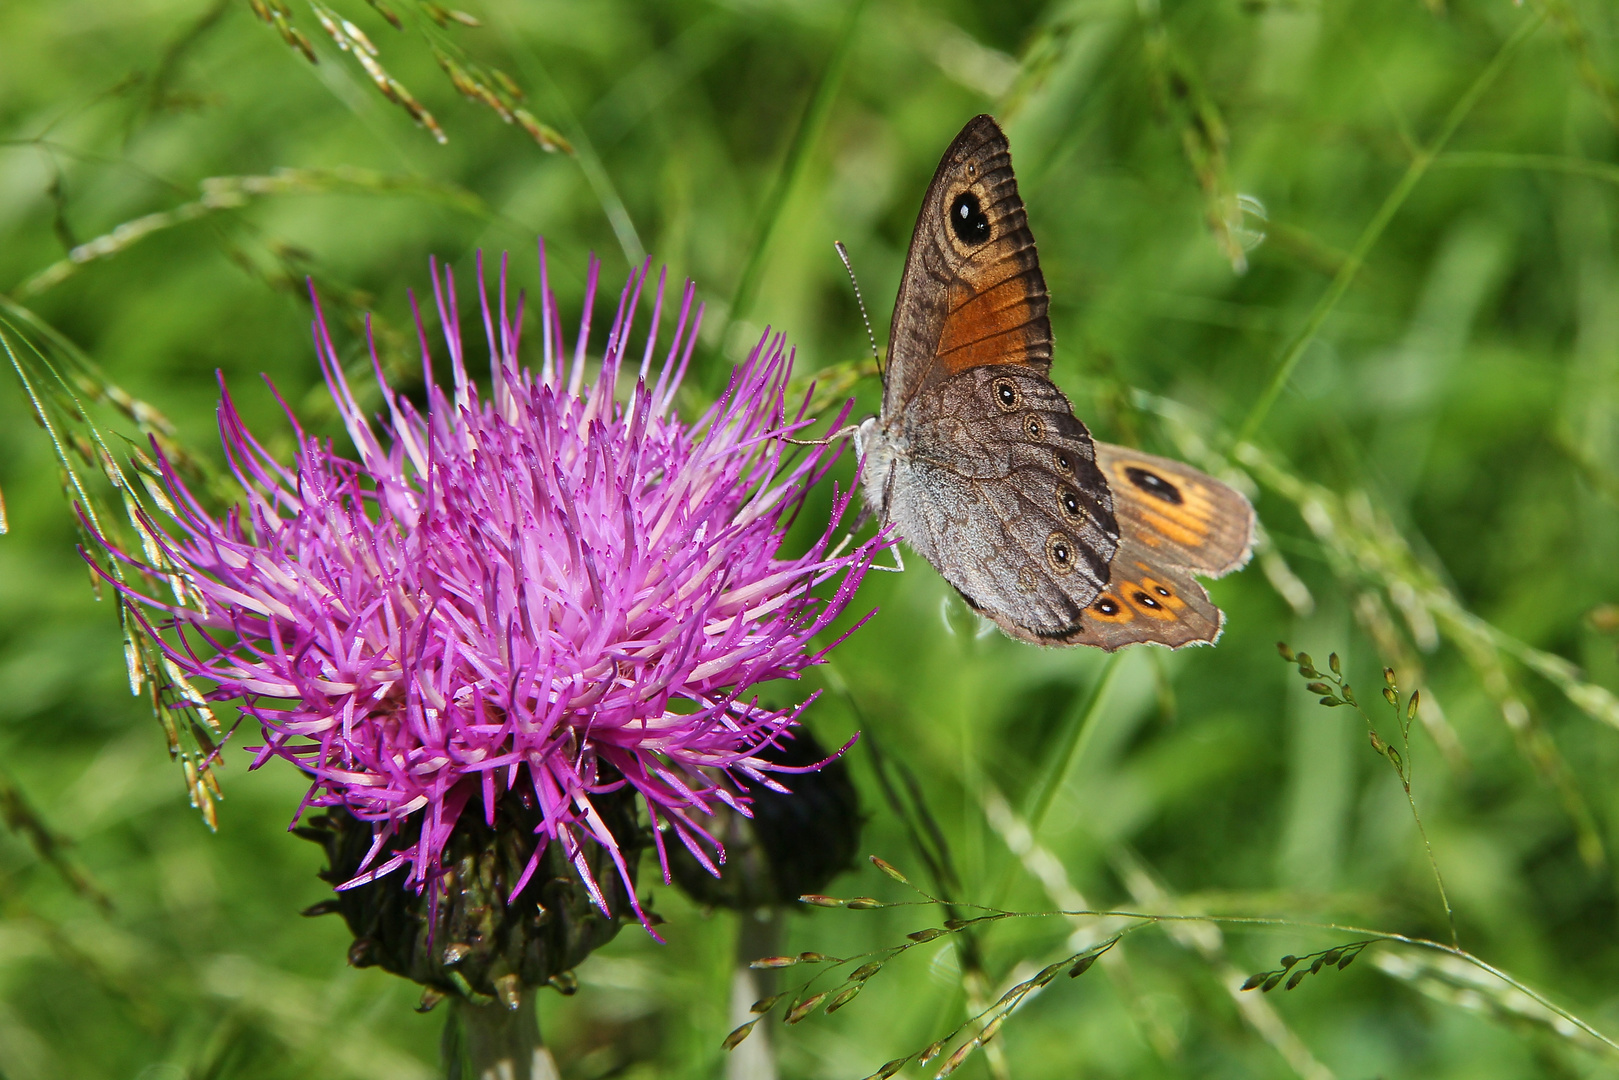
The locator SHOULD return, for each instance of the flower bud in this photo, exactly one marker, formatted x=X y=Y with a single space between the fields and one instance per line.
x=794 y=844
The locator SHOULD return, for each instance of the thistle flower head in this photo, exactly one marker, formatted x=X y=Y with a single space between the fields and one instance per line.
x=543 y=592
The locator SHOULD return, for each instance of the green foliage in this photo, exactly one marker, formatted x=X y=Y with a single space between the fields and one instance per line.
x=1358 y=257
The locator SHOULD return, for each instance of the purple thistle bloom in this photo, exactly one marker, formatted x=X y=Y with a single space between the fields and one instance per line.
x=542 y=592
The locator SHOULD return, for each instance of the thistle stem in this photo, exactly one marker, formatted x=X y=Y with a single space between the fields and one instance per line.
x=492 y=1042
x=759 y=935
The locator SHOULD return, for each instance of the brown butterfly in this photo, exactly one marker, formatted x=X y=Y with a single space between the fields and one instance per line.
x=979 y=462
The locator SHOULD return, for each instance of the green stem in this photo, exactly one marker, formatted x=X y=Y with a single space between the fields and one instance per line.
x=759 y=934
x=1373 y=231
x=1405 y=769
x=1076 y=736
x=798 y=152
x=1075 y=739
x=493 y=1042
x=1486 y=159
x=590 y=162
x=1433 y=864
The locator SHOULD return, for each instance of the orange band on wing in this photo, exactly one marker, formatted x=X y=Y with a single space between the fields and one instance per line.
x=988 y=326
x=1178 y=524
x=1188 y=522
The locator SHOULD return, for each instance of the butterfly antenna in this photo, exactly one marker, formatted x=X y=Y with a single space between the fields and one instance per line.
x=843 y=253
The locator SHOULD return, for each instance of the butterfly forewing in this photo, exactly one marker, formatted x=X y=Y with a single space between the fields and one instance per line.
x=972 y=292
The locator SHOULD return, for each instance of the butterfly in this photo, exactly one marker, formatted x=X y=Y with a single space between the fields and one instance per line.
x=979 y=463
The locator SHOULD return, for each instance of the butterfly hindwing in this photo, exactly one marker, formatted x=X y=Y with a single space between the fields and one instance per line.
x=1000 y=491
x=1146 y=601
x=1180 y=515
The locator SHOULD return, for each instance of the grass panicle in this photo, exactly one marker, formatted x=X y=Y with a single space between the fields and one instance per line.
x=1334 y=691
x=1295 y=969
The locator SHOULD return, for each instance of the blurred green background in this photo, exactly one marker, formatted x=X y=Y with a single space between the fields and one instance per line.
x=1409 y=209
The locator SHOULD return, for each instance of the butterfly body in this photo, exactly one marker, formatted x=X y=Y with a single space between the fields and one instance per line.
x=979 y=463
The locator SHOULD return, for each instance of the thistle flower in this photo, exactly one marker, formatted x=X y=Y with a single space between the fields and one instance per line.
x=541 y=592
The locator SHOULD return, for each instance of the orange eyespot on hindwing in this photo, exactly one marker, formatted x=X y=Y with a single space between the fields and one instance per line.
x=1151 y=597
x=1108 y=609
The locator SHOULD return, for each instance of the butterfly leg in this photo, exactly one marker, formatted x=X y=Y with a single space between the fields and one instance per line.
x=899 y=561
x=888 y=493
x=841 y=433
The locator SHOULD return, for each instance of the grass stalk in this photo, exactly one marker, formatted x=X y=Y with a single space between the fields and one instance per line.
x=1282 y=372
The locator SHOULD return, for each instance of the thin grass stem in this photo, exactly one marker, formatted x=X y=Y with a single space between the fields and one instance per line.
x=1145 y=918
x=804 y=140
x=584 y=151
x=1562 y=163
x=1075 y=738
x=1283 y=370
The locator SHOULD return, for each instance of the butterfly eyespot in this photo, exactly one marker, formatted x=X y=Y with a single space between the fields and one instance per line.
x=968 y=220
x=1107 y=606
x=1154 y=485
x=1161 y=591
x=1033 y=427
x=1146 y=601
x=1006 y=394
x=1070 y=502
x=1063 y=463
x=1060 y=553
